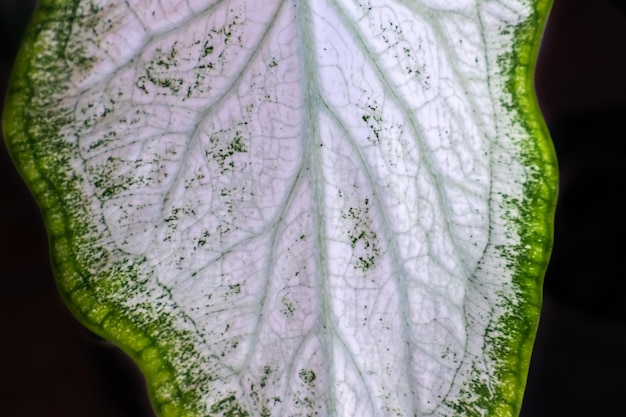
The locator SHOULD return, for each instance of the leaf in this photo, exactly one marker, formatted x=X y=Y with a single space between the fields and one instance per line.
x=284 y=208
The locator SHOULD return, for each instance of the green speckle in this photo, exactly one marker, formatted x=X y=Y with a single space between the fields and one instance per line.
x=307 y=376
x=266 y=371
x=235 y=288
x=363 y=240
x=225 y=144
x=288 y=308
x=228 y=407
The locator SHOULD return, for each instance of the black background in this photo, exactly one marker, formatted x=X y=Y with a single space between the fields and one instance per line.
x=52 y=367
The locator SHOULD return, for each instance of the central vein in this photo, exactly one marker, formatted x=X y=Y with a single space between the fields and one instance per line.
x=313 y=146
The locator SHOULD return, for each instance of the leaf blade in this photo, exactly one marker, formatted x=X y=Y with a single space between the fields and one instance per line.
x=349 y=181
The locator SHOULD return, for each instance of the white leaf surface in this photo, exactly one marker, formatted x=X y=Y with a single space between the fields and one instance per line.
x=321 y=195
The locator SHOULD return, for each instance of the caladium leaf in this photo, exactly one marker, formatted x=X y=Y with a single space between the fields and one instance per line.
x=285 y=208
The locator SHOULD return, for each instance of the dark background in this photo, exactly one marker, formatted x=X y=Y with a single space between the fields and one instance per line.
x=52 y=367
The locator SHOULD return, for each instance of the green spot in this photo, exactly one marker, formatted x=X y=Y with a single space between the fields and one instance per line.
x=208 y=49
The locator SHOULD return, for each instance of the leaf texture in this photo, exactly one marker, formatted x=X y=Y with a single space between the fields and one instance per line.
x=296 y=208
